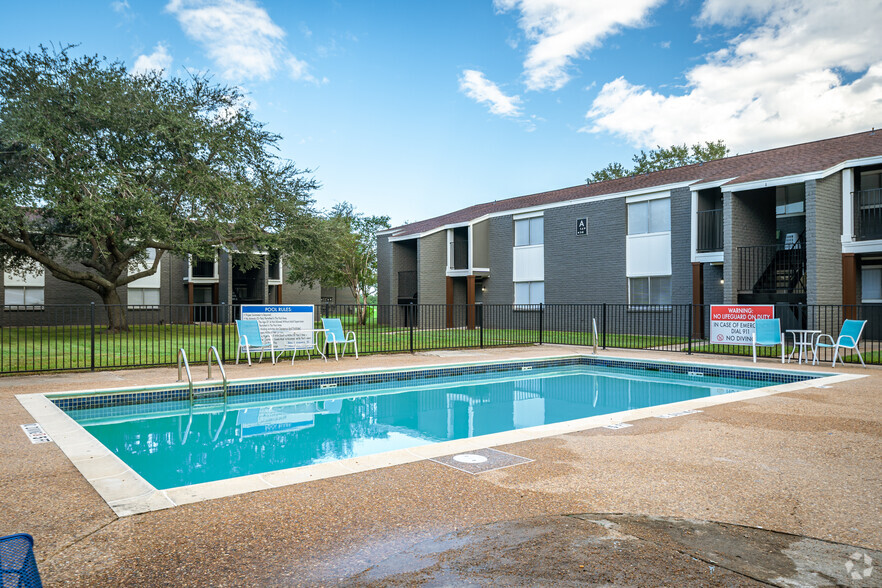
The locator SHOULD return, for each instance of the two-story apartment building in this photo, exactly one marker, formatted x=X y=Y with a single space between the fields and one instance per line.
x=179 y=280
x=797 y=224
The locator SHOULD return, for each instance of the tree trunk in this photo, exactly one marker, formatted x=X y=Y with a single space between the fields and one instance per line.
x=116 y=312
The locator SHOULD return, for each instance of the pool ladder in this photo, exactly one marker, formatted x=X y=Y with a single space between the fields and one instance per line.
x=205 y=392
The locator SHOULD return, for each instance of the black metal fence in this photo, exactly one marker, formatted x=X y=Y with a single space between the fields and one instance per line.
x=57 y=338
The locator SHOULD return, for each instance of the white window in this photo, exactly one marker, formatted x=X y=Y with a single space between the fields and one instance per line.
x=529 y=231
x=17 y=296
x=871 y=284
x=144 y=297
x=529 y=293
x=790 y=200
x=152 y=281
x=649 y=216
x=24 y=291
x=649 y=290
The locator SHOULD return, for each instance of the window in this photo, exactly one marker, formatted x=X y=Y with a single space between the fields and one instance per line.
x=529 y=231
x=871 y=180
x=24 y=291
x=649 y=216
x=649 y=290
x=24 y=296
x=790 y=200
x=871 y=284
x=529 y=293
x=202 y=268
x=144 y=297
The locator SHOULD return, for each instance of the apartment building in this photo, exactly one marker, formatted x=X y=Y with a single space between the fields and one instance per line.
x=796 y=224
x=179 y=280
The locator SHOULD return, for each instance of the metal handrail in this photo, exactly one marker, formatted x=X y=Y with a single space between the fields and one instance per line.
x=594 y=327
x=220 y=365
x=182 y=355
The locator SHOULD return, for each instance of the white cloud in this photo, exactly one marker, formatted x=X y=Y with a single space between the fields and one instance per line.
x=477 y=87
x=238 y=35
x=562 y=30
x=806 y=70
x=120 y=6
x=159 y=60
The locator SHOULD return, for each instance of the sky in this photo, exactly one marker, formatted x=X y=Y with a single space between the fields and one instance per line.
x=417 y=108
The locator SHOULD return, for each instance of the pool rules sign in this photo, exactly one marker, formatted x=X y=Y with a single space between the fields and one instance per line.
x=733 y=324
x=282 y=321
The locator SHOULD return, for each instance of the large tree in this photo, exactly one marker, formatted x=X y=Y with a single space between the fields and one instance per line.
x=349 y=255
x=662 y=158
x=98 y=165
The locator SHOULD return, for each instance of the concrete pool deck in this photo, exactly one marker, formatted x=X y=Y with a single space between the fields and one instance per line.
x=806 y=462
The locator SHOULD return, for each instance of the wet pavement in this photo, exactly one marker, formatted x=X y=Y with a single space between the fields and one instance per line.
x=623 y=550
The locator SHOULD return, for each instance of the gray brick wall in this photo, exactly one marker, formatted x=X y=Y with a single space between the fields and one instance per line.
x=748 y=219
x=823 y=220
x=432 y=264
x=498 y=287
x=585 y=268
x=384 y=270
x=681 y=242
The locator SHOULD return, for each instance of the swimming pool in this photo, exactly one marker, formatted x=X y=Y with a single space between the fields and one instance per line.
x=146 y=448
x=280 y=425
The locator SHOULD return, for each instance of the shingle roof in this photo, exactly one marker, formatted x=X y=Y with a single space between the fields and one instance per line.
x=792 y=160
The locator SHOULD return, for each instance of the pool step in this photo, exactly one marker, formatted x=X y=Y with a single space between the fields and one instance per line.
x=209 y=391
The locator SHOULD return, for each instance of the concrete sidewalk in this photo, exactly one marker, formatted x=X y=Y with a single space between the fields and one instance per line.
x=807 y=463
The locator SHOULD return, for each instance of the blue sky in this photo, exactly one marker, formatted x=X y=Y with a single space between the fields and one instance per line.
x=414 y=109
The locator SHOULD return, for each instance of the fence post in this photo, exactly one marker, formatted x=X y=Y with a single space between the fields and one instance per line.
x=410 y=324
x=689 y=348
x=223 y=319
x=541 y=320
x=92 y=323
x=603 y=325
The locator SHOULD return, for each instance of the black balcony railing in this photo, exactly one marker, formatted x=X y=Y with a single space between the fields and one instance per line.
x=710 y=230
x=867 y=214
x=767 y=269
x=459 y=255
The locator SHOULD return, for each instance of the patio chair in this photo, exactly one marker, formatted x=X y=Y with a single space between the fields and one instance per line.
x=849 y=337
x=334 y=335
x=18 y=567
x=767 y=333
x=251 y=340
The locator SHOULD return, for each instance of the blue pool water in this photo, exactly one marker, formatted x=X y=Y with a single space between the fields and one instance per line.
x=172 y=445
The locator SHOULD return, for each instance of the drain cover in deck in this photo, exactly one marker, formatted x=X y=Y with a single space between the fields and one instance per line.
x=481 y=460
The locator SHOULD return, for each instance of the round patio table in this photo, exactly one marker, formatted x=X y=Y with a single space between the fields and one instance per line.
x=803 y=340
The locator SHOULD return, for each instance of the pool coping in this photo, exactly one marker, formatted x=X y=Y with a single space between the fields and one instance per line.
x=127 y=493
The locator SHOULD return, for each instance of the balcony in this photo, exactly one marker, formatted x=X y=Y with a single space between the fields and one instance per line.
x=867 y=214
x=710 y=230
x=459 y=255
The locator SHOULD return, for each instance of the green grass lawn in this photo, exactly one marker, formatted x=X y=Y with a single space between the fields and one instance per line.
x=70 y=347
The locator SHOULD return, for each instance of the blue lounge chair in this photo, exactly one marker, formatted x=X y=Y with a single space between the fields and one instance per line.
x=767 y=333
x=849 y=337
x=251 y=340
x=334 y=335
x=18 y=567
